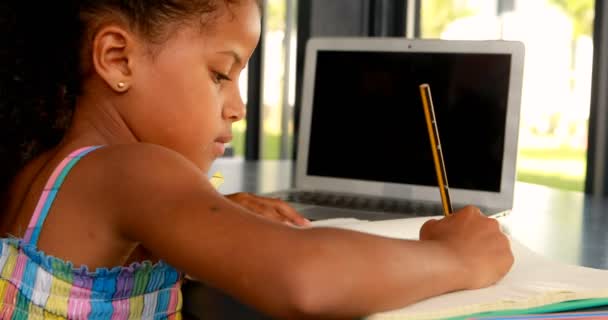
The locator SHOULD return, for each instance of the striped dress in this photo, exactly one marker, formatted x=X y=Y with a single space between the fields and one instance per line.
x=34 y=285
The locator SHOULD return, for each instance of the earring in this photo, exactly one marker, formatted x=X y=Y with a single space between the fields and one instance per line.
x=121 y=86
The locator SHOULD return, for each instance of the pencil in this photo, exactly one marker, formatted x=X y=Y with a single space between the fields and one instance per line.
x=431 y=123
x=217 y=180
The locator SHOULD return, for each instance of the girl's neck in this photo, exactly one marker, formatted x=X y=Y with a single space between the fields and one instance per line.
x=97 y=121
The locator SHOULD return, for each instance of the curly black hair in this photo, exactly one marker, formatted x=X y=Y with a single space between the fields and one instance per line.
x=41 y=69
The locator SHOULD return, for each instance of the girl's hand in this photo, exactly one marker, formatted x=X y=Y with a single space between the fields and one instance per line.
x=271 y=208
x=476 y=242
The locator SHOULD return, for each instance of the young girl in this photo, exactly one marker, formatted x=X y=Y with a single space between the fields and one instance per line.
x=111 y=113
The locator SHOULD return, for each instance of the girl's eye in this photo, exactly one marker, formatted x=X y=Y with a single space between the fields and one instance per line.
x=219 y=77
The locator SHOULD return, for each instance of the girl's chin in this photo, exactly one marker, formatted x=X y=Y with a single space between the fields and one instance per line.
x=218 y=149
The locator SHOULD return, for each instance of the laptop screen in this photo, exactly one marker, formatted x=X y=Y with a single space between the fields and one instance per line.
x=368 y=121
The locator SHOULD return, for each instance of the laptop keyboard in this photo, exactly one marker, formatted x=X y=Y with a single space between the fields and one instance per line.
x=358 y=202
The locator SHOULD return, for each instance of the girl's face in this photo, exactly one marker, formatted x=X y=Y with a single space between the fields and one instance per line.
x=186 y=96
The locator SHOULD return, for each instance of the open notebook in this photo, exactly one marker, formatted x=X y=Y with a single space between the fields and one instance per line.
x=534 y=285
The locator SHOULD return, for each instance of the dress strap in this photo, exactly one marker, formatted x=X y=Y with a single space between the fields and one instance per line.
x=50 y=192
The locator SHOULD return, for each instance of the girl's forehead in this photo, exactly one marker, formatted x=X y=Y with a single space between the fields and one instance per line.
x=236 y=26
x=235 y=18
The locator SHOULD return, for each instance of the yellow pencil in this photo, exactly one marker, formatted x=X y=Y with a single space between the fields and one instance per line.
x=431 y=123
x=217 y=180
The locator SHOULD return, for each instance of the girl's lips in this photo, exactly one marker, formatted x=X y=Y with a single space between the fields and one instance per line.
x=224 y=139
x=219 y=145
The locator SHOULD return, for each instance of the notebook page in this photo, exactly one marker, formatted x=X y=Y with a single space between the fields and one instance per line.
x=336 y=222
x=408 y=228
x=532 y=281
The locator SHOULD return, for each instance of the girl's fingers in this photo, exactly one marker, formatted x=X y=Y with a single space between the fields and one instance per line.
x=290 y=214
x=268 y=211
x=274 y=209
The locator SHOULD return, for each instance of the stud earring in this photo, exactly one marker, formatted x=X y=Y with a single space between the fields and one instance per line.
x=121 y=86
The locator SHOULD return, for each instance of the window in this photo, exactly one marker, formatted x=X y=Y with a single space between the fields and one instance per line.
x=238 y=129
x=278 y=84
x=557 y=75
x=278 y=80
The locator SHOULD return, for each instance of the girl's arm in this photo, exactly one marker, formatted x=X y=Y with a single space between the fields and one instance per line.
x=166 y=203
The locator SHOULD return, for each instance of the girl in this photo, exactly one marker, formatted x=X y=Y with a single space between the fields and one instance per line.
x=112 y=112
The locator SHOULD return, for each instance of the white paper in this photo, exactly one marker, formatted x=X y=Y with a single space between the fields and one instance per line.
x=533 y=280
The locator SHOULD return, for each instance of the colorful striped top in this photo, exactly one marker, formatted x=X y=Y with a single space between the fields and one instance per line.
x=34 y=285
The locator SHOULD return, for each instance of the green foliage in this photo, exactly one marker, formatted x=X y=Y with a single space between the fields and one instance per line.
x=581 y=12
x=275 y=15
x=238 y=142
x=558 y=167
x=553 y=181
x=437 y=14
x=270 y=148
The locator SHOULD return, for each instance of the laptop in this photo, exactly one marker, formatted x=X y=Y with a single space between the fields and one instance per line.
x=364 y=149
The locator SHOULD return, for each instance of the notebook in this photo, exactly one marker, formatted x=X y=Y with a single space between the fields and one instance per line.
x=363 y=147
x=533 y=285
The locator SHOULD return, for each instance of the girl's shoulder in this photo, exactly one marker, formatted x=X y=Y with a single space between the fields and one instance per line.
x=139 y=163
x=128 y=173
x=96 y=199
x=139 y=156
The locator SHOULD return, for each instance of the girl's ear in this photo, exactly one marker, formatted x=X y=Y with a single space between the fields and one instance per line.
x=113 y=51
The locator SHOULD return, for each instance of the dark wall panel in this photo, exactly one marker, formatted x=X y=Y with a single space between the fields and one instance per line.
x=339 y=17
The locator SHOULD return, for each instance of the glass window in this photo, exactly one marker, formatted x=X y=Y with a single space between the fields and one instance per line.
x=278 y=63
x=238 y=129
x=278 y=79
x=557 y=76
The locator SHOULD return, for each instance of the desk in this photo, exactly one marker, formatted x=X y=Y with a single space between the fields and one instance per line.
x=569 y=227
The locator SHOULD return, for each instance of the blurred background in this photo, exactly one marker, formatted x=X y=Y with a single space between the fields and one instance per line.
x=557 y=88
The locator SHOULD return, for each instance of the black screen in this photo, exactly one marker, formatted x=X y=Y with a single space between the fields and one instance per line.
x=368 y=121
